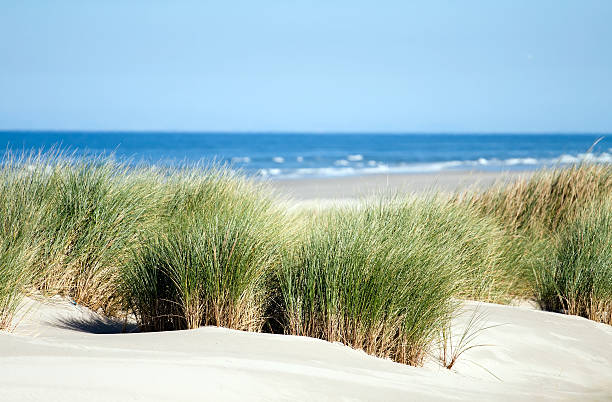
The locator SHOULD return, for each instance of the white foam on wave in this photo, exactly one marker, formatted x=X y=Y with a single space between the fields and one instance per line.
x=344 y=167
x=300 y=159
x=278 y=159
x=349 y=159
x=269 y=172
x=567 y=159
x=604 y=157
x=321 y=172
x=520 y=161
x=415 y=168
x=241 y=159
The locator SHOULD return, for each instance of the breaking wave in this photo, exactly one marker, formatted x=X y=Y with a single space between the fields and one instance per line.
x=355 y=165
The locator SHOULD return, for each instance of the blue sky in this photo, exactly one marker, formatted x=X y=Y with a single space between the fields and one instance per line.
x=366 y=66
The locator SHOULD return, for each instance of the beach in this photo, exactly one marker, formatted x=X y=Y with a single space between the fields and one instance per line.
x=359 y=187
x=305 y=201
x=59 y=350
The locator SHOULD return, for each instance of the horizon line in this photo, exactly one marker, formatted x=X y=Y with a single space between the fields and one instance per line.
x=301 y=132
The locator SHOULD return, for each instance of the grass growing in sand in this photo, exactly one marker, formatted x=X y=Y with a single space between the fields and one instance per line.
x=78 y=219
x=384 y=277
x=560 y=220
x=187 y=247
x=18 y=250
x=547 y=201
x=211 y=260
x=14 y=254
x=578 y=277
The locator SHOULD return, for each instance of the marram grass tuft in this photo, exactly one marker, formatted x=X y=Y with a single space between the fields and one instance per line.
x=211 y=261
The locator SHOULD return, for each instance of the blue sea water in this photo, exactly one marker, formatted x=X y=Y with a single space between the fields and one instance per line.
x=288 y=155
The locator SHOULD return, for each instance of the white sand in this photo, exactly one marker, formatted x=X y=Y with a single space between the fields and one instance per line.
x=53 y=356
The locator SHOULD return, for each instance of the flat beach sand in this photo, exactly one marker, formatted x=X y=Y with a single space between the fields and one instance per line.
x=344 y=188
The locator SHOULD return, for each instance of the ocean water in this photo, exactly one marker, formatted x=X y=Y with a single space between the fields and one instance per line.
x=282 y=156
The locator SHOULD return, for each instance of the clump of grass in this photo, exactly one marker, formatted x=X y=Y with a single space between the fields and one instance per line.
x=211 y=262
x=81 y=218
x=578 y=277
x=11 y=287
x=87 y=217
x=384 y=278
x=546 y=201
x=532 y=211
x=93 y=212
x=14 y=276
x=19 y=216
x=490 y=267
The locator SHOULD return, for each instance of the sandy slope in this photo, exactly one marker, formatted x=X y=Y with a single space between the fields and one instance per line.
x=53 y=355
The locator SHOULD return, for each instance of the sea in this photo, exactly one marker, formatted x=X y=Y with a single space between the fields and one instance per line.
x=281 y=156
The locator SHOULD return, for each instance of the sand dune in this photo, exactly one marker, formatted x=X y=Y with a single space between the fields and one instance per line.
x=62 y=352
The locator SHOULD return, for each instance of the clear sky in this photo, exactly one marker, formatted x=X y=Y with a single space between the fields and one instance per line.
x=367 y=66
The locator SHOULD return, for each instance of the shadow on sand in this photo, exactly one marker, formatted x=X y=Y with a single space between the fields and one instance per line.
x=96 y=325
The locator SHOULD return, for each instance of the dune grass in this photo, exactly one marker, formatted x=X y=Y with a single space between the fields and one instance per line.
x=545 y=202
x=578 y=277
x=186 y=247
x=558 y=219
x=385 y=277
x=78 y=219
x=93 y=213
x=210 y=262
x=11 y=285
x=15 y=250
x=73 y=227
x=19 y=217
